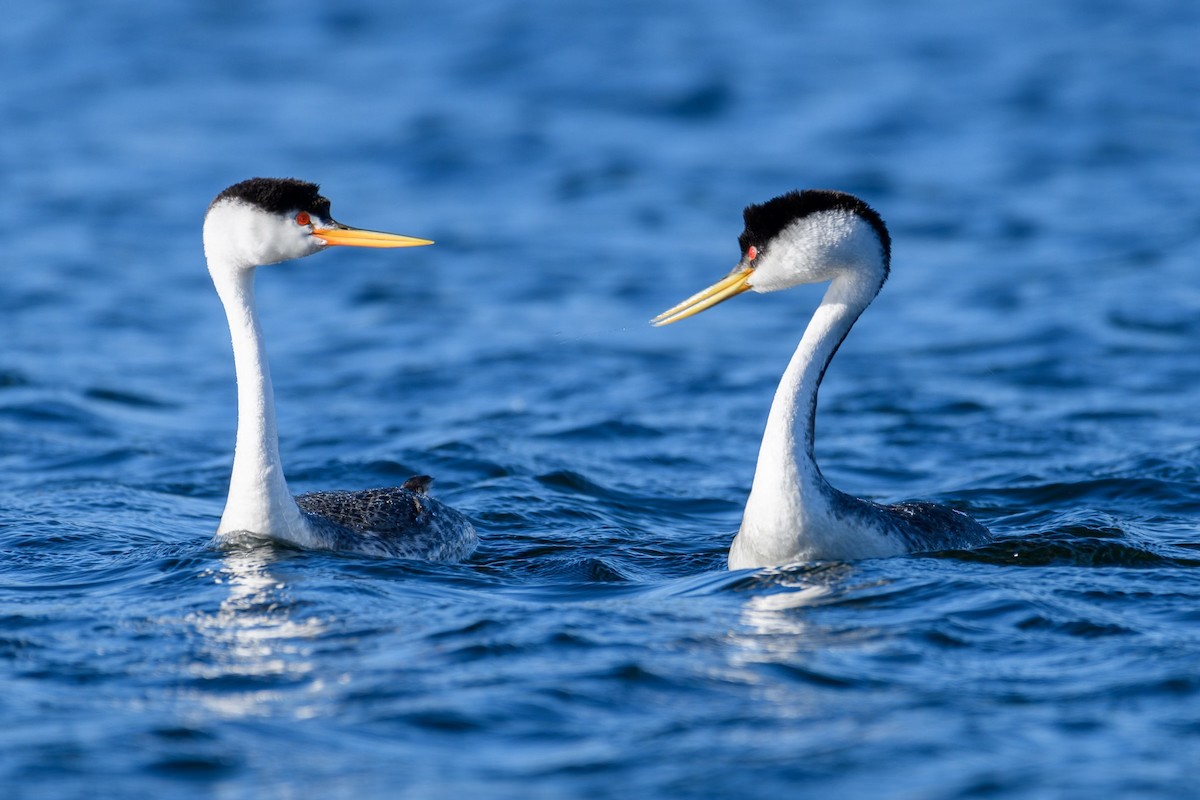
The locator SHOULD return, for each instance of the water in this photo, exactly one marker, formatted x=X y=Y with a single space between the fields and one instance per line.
x=582 y=167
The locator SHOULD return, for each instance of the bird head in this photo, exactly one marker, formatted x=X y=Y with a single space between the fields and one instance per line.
x=267 y=220
x=797 y=238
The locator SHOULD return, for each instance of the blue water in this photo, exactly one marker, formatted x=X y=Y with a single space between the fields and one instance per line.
x=582 y=166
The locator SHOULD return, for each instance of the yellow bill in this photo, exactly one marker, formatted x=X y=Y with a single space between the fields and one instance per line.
x=340 y=234
x=731 y=285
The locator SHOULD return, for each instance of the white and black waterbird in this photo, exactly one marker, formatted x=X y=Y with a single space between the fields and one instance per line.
x=264 y=221
x=793 y=514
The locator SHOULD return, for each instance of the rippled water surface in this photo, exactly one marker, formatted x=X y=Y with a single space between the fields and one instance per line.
x=582 y=166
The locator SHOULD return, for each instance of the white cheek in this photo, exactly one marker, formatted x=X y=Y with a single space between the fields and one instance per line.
x=789 y=262
x=768 y=279
x=286 y=241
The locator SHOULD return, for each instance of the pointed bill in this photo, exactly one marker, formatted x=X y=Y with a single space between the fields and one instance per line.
x=731 y=285
x=339 y=234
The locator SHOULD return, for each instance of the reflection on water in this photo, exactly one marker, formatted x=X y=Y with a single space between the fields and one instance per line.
x=775 y=626
x=253 y=644
x=778 y=648
x=797 y=588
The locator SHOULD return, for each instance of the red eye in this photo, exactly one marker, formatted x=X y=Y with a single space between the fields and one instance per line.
x=751 y=253
x=302 y=218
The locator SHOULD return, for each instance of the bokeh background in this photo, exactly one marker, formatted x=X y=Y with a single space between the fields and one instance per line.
x=582 y=166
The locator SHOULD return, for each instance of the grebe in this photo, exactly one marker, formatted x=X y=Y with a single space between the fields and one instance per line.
x=793 y=514
x=264 y=221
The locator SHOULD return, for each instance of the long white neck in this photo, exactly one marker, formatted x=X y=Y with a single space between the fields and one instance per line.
x=259 y=500
x=790 y=514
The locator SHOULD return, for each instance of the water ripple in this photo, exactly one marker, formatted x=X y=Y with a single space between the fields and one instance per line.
x=583 y=166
